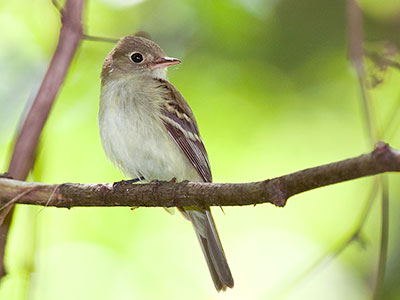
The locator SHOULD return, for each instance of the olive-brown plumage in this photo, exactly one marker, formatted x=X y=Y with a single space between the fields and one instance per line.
x=149 y=131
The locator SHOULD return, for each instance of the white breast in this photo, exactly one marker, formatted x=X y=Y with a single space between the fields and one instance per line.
x=133 y=135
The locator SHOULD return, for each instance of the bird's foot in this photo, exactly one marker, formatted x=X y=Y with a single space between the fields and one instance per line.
x=118 y=184
x=6 y=175
x=159 y=182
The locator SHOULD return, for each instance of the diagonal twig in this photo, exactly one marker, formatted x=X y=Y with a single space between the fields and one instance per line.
x=355 y=28
x=16 y=198
x=22 y=159
x=335 y=251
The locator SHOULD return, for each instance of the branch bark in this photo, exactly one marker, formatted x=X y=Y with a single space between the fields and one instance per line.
x=275 y=191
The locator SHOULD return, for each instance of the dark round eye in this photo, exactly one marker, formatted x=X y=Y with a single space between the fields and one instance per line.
x=136 y=57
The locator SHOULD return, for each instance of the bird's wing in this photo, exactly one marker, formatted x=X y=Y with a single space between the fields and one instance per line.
x=180 y=123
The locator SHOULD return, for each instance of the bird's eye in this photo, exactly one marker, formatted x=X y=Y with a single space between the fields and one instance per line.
x=136 y=57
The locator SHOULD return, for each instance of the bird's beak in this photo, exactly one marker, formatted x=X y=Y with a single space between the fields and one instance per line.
x=165 y=62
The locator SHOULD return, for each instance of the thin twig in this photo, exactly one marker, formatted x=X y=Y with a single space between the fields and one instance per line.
x=99 y=39
x=355 y=21
x=50 y=197
x=370 y=122
x=355 y=40
x=384 y=239
x=391 y=126
x=325 y=259
x=16 y=198
x=52 y=194
x=355 y=50
x=381 y=60
x=58 y=6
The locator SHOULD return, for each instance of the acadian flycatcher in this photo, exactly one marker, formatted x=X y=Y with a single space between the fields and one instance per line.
x=149 y=132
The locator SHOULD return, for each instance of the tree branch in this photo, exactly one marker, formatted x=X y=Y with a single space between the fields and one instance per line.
x=276 y=191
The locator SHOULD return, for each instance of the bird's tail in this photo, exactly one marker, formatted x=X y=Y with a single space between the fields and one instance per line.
x=207 y=234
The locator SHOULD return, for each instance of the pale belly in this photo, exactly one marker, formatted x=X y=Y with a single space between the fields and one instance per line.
x=140 y=146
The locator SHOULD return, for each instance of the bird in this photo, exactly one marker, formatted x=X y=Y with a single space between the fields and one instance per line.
x=149 y=132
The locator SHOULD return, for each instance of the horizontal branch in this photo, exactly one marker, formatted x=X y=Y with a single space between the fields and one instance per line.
x=276 y=191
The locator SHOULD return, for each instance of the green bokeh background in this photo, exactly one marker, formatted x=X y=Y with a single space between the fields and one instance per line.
x=273 y=92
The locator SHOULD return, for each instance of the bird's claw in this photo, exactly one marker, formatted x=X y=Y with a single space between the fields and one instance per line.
x=6 y=175
x=118 y=184
x=159 y=182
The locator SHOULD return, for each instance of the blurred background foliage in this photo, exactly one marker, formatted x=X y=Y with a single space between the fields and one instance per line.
x=273 y=92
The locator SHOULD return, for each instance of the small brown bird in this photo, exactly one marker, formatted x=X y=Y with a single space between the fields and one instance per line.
x=149 y=132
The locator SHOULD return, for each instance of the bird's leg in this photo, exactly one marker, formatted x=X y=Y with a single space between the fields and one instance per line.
x=123 y=182
x=158 y=182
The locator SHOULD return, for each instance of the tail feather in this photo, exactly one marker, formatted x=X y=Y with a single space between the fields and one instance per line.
x=207 y=235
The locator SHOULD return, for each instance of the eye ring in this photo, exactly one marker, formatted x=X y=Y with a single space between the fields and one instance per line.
x=136 y=57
